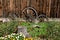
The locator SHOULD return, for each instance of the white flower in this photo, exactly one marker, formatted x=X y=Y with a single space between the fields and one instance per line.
x=21 y=34
x=1 y=37
x=6 y=36
x=14 y=34
x=17 y=39
x=9 y=36
x=18 y=36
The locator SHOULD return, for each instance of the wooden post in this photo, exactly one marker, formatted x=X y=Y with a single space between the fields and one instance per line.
x=49 y=8
x=44 y=6
x=2 y=3
x=58 y=9
x=11 y=5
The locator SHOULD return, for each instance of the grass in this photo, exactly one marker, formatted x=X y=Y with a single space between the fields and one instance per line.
x=46 y=29
x=8 y=28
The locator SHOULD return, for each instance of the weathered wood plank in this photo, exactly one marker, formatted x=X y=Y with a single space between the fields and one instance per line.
x=50 y=7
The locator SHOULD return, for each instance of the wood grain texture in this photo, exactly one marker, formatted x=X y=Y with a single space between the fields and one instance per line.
x=49 y=7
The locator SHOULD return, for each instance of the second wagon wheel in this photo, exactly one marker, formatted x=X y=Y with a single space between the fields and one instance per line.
x=42 y=17
x=29 y=14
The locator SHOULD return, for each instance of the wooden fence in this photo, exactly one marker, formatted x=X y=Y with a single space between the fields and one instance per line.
x=49 y=7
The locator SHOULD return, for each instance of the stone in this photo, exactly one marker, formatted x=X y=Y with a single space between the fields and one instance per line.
x=24 y=31
x=5 y=20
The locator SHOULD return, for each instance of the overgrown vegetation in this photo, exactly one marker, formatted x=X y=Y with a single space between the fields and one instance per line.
x=13 y=36
x=53 y=30
x=8 y=28
x=48 y=30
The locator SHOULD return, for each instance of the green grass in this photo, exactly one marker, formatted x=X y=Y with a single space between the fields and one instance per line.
x=47 y=29
x=8 y=28
x=36 y=31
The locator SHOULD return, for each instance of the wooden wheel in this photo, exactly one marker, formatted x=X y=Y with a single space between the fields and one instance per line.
x=29 y=14
x=42 y=17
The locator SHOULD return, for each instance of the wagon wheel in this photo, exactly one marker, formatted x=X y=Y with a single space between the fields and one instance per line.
x=29 y=14
x=42 y=17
